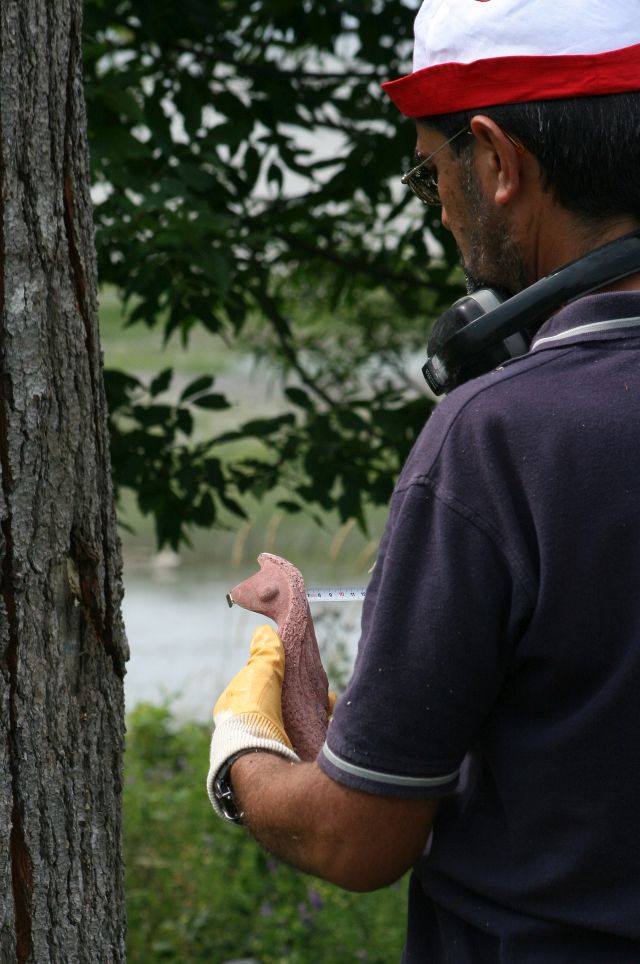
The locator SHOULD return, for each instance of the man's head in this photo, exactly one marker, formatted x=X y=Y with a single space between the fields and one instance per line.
x=548 y=96
x=586 y=161
x=476 y=181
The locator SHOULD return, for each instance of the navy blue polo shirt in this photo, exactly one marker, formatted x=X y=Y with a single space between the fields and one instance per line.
x=499 y=662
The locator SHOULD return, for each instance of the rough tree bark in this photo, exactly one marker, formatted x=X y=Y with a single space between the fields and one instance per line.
x=62 y=645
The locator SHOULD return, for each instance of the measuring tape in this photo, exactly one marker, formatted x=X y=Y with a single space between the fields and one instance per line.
x=328 y=594
x=337 y=594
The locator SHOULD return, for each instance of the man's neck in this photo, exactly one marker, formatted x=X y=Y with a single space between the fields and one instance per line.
x=632 y=283
x=562 y=237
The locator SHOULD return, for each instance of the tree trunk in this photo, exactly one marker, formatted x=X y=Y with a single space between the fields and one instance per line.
x=62 y=645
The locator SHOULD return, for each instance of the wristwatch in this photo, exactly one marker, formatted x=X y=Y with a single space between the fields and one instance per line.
x=223 y=791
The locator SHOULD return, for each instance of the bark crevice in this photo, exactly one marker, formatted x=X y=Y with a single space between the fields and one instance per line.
x=21 y=862
x=86 y=561
x=20 y=858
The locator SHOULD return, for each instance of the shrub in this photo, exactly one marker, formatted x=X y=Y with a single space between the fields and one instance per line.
x=200 y=890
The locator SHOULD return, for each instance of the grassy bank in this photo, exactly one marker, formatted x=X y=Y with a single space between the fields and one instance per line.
x=201 y=891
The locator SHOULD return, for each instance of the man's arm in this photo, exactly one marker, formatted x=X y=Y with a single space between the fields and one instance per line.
x=359 y=841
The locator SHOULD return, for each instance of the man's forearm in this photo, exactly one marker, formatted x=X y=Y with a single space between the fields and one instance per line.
x=283 y=807
x=356 y=840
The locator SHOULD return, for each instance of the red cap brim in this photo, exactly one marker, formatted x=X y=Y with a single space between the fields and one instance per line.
x=448 y=88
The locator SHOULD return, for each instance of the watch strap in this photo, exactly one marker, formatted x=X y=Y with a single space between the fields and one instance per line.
x=223 y=791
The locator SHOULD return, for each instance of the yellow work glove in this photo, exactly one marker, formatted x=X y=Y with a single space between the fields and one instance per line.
x=248 y=715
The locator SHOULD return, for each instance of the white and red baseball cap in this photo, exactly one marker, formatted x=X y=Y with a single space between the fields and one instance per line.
x=479 y=53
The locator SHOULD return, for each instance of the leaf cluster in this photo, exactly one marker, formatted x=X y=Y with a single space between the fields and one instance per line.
x=178 y=483
x=245 y=166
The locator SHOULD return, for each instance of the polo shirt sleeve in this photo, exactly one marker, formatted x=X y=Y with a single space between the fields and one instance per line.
x=439 y=618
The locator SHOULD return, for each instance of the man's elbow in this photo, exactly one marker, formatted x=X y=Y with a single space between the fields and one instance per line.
x=362 y=872
x=365 y=880
x=370 y=842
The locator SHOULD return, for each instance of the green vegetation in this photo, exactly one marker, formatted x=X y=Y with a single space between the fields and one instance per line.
x=247 y=205
x=201 y=891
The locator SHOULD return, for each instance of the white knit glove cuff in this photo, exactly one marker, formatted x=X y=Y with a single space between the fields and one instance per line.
x=237 y=734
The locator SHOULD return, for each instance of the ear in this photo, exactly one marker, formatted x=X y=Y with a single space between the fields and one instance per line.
x=268 y=593
x=498 y=159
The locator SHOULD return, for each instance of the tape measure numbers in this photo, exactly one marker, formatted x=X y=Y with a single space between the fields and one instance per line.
x=337 y=594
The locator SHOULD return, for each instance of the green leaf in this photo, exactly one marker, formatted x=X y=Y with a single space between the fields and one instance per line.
x=275 y=176
x=161 y=382
x=184 y=421
x=351 y=420
x=119 y=387
x=199 y=384
x=190 y=104
x=151 y=415
x=214 y=402
x=213 y=472
x=204 y=512
x=299 y=397
x=123 y=103
x=266 y=426
x=290 y=507
x=232 y=506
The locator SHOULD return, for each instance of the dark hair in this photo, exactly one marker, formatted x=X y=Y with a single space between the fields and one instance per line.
x=588 y=148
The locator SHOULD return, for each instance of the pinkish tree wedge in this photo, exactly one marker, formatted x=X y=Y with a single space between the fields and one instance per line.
x=277 y=591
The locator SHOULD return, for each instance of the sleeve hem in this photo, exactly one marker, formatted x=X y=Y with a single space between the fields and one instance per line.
x=381 y=782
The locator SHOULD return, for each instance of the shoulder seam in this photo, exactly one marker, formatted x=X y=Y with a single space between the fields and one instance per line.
x=483 y=526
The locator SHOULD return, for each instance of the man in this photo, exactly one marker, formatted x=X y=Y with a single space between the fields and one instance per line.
x=489 y=735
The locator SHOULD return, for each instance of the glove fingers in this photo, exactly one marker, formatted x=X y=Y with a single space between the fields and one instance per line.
x=249 y=689
x=267 y=647
x=257 y=687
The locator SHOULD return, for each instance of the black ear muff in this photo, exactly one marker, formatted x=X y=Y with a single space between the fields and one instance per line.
x=482 y=330
x=461 y=313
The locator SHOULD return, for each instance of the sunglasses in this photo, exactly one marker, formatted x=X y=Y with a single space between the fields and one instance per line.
x=423 y=181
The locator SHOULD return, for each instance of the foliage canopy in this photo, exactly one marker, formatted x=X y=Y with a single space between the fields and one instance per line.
x=246 y=165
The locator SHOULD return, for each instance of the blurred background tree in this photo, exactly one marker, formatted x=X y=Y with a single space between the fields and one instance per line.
x=246 y=174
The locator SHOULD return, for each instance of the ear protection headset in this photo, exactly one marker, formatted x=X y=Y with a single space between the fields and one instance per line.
x=482 y=330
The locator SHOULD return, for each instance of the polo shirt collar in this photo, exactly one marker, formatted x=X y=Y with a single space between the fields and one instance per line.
x=582 y=320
